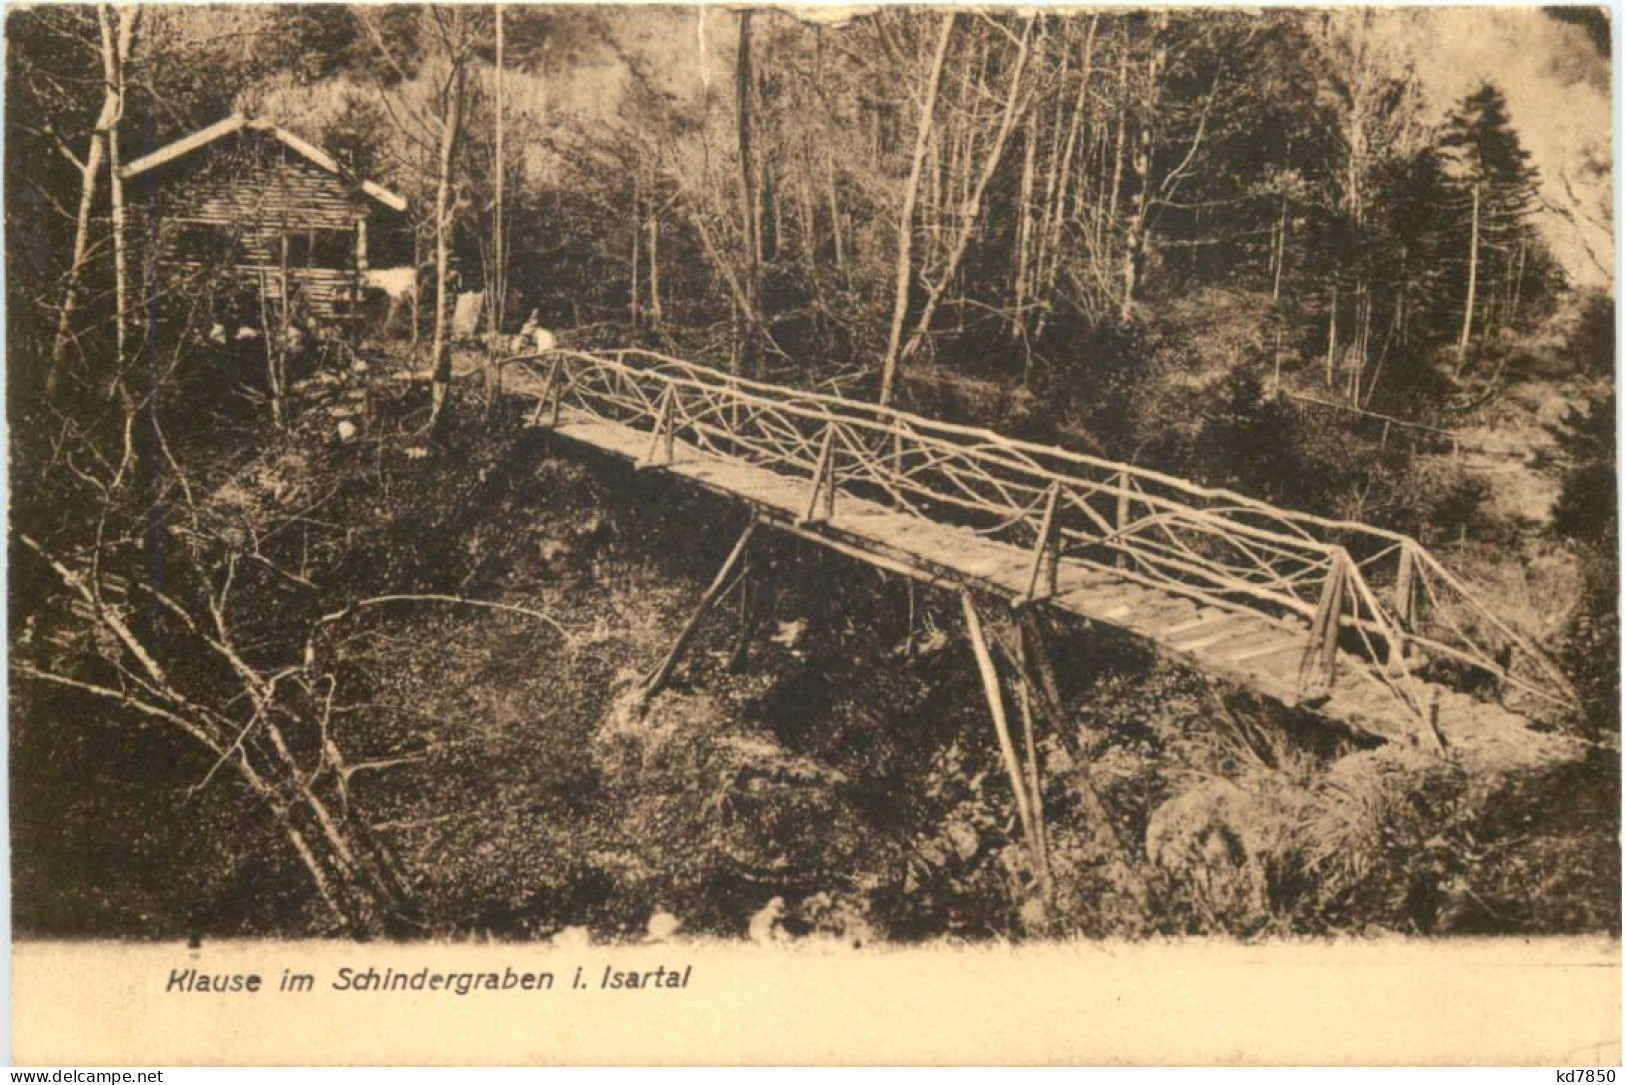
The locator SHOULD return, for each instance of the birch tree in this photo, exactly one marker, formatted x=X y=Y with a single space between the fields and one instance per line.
x=905 y=227
x=972 y=210
x=454 y=30
x=115 y=49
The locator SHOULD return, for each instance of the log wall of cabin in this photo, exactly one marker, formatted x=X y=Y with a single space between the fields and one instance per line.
x=261 y=197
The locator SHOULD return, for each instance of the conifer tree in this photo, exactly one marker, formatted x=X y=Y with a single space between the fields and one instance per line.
x=1498 y=183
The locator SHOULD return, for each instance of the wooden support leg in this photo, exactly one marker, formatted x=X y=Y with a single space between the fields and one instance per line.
x=660 y=675
x=1318 y=669
x=1001 y=724
x=551 y=399
x=1046 y=561
x=1039 y=664
x=1034 y=781
x=663 y=437
x=738 y=655
x=1432 y=711
x=1121 y=560
x=909 y=649
x=756 y=594
x=1039 y=675
x=821 y=505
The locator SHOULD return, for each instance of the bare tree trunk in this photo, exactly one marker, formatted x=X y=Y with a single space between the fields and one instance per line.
x=636 y=266
x=1136 y=238
x=1280 y=252
x=499 y=250
x=114 y=55
x=1331 y=341
x=806 y=208
x=733 y=336
x=1057 y=221
x=1052 y=175
x=905 y=227
x=931 y=178
x=277 y=357
x=835 y=218
x=89 y=168
x=807 y=218
x=972 y=212
x=1024 y=231
x=774 y=199
x=744 y=80
x=1362 y=340
x=655 y=314
x=451 y=131
x=963 y=185
x=1472 y=289
x=417 y=293
x=1517 y=283
x=1105 y=250
x=1396 y=329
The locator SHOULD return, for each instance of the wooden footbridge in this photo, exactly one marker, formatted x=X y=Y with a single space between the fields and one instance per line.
x=1354 y=624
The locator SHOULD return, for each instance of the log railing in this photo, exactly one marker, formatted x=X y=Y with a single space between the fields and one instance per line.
x=1356 y=592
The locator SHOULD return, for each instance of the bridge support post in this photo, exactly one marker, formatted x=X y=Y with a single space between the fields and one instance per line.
x=1022 y=783
x=1399 y=654
x=1029 y=740
x=1432 y=713
x=1046 y=553
x=757 y=589
x=719 y=584
x=821 y=505
x=1319 y=666
x=1405 y=585
x=1121 y=560
x=1035 y=668
x=552 y=395
x=664 y=437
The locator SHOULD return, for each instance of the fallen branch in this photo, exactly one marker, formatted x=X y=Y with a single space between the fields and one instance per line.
x=123 y=697
x=379 y=600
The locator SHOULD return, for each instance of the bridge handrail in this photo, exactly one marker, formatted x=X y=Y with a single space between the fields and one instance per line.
x=978 y=463
x=847 y=410
x=775 y=392
x=1005 y=444
x=915 y=422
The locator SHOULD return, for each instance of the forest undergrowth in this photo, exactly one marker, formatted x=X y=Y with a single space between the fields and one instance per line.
x=300 y=648
x=843 y=782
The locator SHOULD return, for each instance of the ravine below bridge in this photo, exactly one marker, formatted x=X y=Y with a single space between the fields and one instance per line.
x=1353 y=624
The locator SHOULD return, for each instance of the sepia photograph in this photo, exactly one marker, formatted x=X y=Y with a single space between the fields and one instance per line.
x=593 y=486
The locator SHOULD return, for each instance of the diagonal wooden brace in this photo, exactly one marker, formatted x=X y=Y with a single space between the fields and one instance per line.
x=1020 y=780
x=1035 y=785
x=1405 y=586
x=821 y=504
x=663 y=440
x=1122 y=518
x=656 y=681
x=552 y=397
x=756 y=595
x=1319 y=666
x=1404 y=608
x=1046 y=567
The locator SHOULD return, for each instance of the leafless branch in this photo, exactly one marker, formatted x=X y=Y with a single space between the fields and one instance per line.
x=455 y=600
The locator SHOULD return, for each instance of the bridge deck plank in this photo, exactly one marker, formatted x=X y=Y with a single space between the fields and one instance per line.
x=1232 y=642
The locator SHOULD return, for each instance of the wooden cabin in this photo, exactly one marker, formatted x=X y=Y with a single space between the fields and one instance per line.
x=279 y=211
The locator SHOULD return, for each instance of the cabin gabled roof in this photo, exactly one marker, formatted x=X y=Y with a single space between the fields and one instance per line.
x=237 y=122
